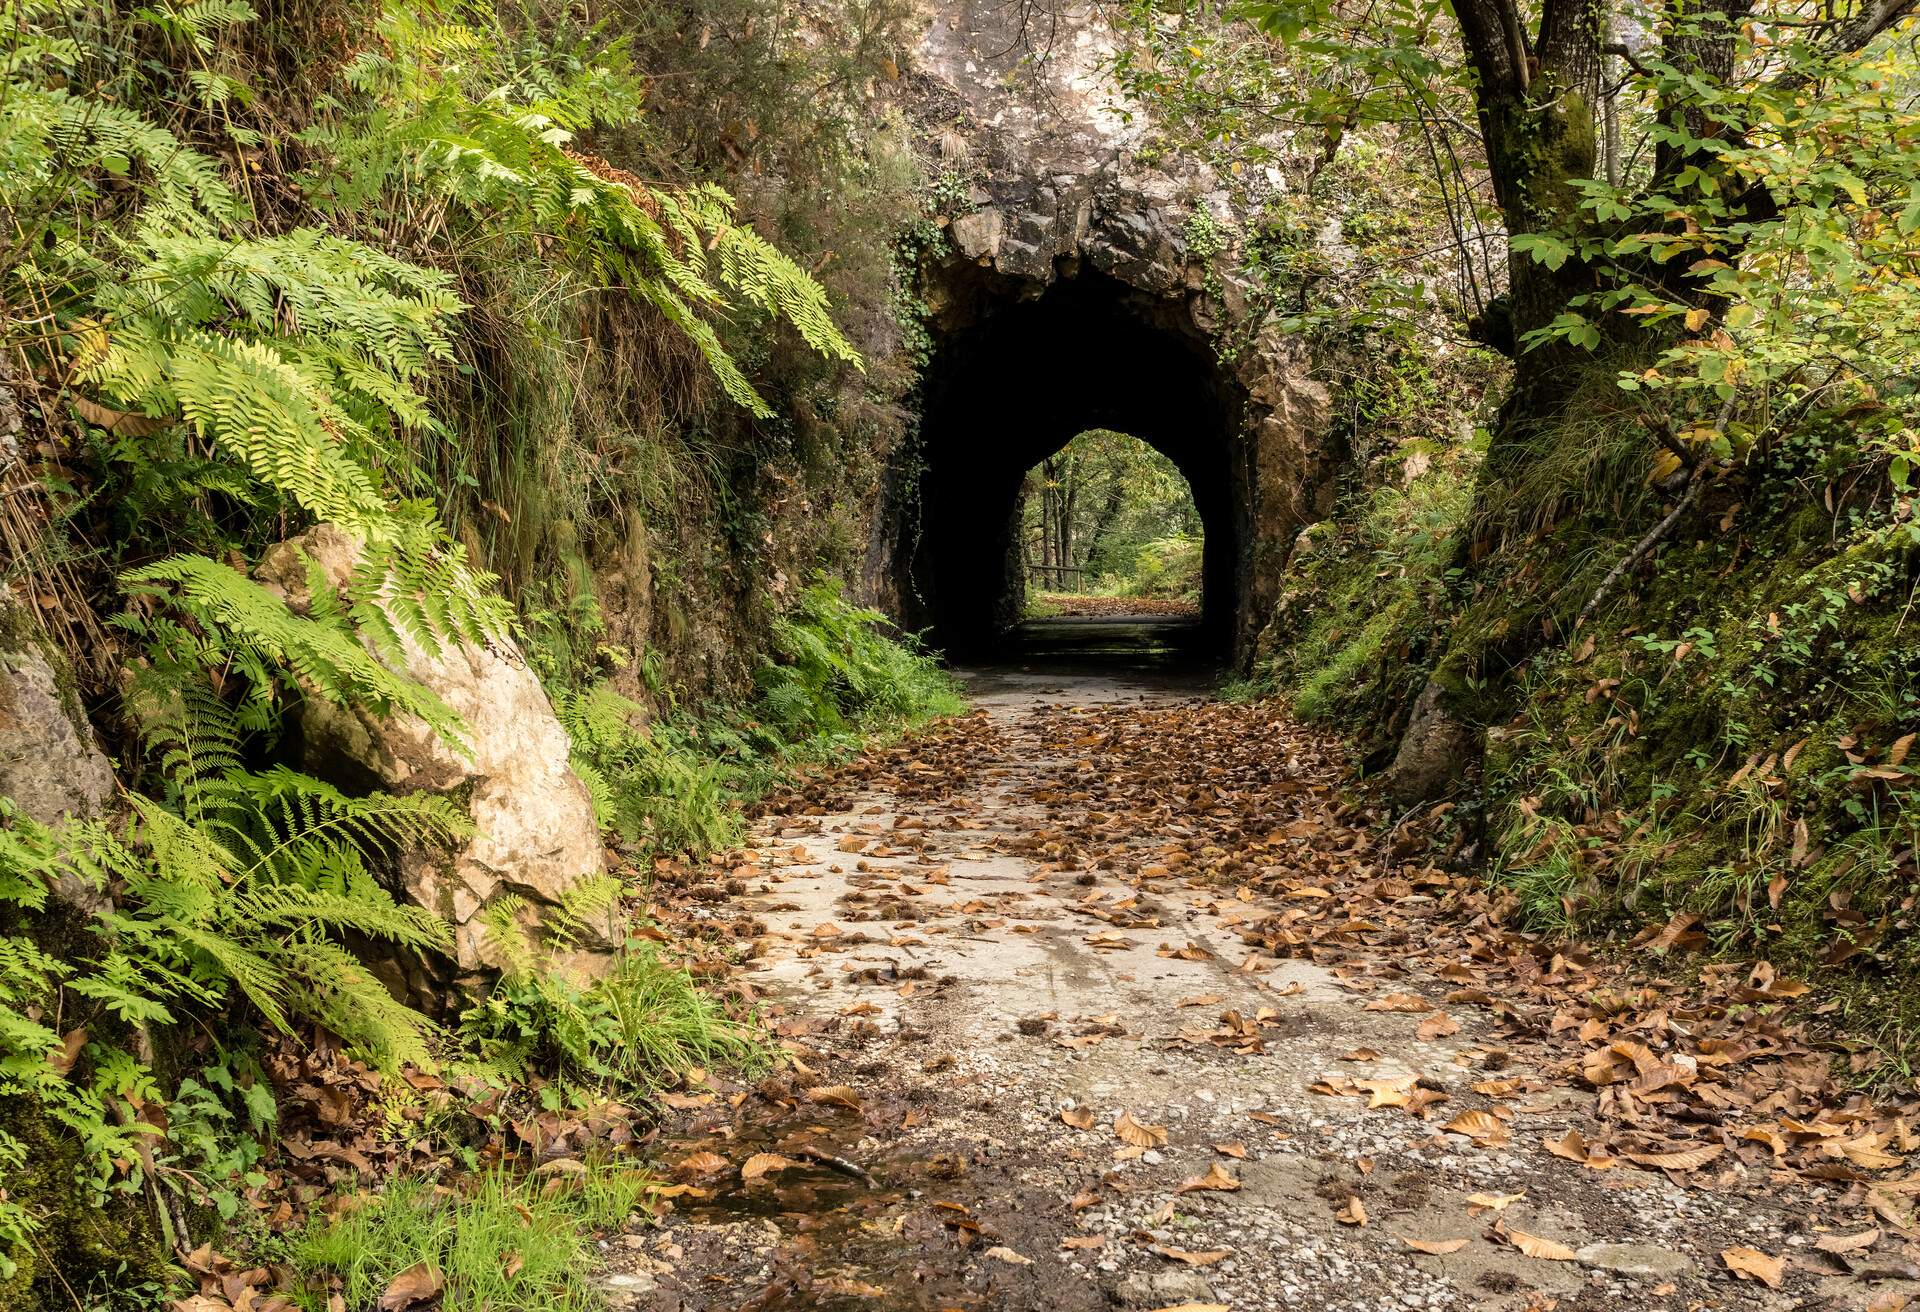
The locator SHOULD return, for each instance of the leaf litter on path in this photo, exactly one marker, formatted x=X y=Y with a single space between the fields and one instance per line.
x=1703 y=1073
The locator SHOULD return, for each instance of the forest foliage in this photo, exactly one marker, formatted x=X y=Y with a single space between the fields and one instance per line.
x=1655 y=591
x=267 y=272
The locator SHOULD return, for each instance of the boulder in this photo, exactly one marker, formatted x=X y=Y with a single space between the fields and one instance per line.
x=49 y=764
x=978 y=235
x=534 y=835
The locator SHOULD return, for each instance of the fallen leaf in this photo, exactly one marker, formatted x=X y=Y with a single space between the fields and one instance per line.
x=1848 y=1243
x=836 y=1095
x=693 y=1165
x=1689 y=1159
x=1080 y=1118
x=1137 y=1133
x=1478 y=1203
x=1482 y=1127
x=1437 y=1026
x=419 y=1283
x=1001 y=1253
x=1547 y=1250
x=765 y=1164
x=1752 y=1264
x=1354 y=1213
x=1437 y=1247
x=1207 y=1258
x=1216 y=1179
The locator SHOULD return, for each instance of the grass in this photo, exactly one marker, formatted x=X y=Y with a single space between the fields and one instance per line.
x=504 y=1241
x=633 y=1030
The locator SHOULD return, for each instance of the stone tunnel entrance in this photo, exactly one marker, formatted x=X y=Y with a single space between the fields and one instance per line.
x=1013 y=379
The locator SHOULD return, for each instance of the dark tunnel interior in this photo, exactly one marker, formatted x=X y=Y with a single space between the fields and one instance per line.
x=1015 y=386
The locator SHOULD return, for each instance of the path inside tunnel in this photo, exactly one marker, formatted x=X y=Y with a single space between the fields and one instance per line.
x=1168 y=652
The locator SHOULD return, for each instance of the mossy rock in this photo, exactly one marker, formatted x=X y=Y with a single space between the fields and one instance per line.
x=81 y=1246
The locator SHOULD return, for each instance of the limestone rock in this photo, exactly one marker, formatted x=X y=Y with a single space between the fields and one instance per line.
x=1163 y=1289
x=1435 y=752
x=534 y=832
x=977 y=235
x=49 y=764
x=1645 y=1261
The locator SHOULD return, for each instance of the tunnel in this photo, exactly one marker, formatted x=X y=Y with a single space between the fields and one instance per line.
x=1013 y=378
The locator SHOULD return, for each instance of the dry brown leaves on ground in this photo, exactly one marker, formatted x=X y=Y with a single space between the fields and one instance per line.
x=1707 y=1074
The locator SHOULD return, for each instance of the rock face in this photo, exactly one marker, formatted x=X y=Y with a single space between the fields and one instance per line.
x=1435 y=752
x=49 y=765
x=1064 y=207
x=534 y=835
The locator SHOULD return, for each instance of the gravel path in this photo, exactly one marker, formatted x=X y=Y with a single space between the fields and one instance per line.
x=1024 y=1083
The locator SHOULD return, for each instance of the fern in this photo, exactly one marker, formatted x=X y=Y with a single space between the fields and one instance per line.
x=248 y=621
x=648 y=789
x=449 y=112
x=838 y=670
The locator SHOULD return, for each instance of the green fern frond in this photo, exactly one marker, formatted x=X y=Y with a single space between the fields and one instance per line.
x=329 y=662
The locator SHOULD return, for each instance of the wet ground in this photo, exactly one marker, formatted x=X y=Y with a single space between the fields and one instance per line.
x=1024 y=1079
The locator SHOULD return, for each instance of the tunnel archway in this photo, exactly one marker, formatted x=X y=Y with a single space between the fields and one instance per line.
x=1012 y=380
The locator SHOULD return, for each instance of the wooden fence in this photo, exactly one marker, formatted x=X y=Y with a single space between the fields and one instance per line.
x=1058 y=578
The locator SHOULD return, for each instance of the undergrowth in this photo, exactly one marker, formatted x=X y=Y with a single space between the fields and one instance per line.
x=258 y=280
x=497 y=1240
x=1738 y=751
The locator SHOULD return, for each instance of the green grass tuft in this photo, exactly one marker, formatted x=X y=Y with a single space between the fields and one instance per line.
x=503 y=1242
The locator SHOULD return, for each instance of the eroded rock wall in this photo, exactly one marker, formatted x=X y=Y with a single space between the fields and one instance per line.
x=1047 y=184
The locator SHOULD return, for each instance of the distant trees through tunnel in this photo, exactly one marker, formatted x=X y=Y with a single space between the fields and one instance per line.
x=1108 y=514
x=1025 y=391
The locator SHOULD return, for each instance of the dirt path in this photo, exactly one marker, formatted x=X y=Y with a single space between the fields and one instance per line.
x=1101 y=997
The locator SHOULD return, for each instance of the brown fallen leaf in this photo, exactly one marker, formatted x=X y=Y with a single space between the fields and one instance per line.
x=419 y=1283
x=1207 y=1258
x=63 y=1058
x=1354 y=1213
x=835 y=1095
x=1848 y=1243
x=1080 y=1118
x=1537 y=1246
x=1137 y=1133
x=765 y=1164
x=1572 y=1145
x=1215 y=1179
x=1084 y=1241
x=1001 y=1253
x=1437 y=1026
x=1478 y=1203
x=1689 y=1159
x=1752 y=1264
x=694 y=1165
x=1437 y=1247
x=1483 y=1128
x=1235 y=1150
